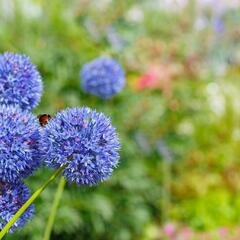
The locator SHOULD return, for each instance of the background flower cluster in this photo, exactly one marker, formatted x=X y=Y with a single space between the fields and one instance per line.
x=79 y=139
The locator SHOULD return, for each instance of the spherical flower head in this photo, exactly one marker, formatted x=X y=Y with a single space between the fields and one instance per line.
x=85 y=141
x=19 y=144
x=20 y=81
x=103 y=77
x=12 y=197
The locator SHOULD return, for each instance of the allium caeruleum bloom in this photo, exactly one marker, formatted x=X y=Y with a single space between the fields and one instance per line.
x=12 y=197
x=19 y=143
x=20 y=81
x=86 y=141
x=103 y=77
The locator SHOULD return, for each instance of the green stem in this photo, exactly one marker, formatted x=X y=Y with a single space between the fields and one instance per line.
x=29 y=202
x=166 y=198
x=54 y=208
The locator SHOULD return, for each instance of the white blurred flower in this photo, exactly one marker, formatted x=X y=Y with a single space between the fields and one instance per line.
x=236 y=134
x=135 y=14
x=7 y=8
x=216 y=99
x=31 y=9
x=172 y=5
x=219 y=6
x=220 y=69
x=100 y=4
x=185 y=127
x=200 y=23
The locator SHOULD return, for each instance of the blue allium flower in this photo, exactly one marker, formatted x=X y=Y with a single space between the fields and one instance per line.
x=20 y=81
x=103 y=77
x=12 y=197
x=86 y=141
x=19 y=143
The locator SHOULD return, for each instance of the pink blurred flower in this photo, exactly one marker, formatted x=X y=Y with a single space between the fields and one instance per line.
x=158 y=77
x=169 y=229
x=186 y=233
x=148 y=79
x=223 y=231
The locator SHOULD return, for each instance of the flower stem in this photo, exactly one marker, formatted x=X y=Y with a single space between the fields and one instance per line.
x=29 y=202
x=54 y=208
x=166 y=191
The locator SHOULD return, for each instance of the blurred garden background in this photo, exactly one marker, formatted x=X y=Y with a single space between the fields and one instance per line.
x=178 y=116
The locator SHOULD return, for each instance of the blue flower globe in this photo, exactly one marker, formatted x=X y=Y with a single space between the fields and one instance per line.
x=20 y=81
x=103 y=77
x=83 y=140
x=12 y=197
x=19 y=144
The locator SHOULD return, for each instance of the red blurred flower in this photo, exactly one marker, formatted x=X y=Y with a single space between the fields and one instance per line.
x=148 y=80
x=158 y=77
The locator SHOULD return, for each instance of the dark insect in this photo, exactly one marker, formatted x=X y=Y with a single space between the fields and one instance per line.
x=102 y=141
x=44 y=119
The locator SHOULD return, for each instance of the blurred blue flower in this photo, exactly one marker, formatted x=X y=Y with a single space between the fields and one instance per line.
x=86 y=141
x=20 y=81
x=164 y=151
x=143 y=143
x=218 y=24
x=12 y=197
x=103 y=77
x=19 y=144
x=114 y=38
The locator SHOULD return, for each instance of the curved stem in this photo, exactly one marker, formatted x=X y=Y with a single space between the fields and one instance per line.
x=54 y=208
x=29 y=202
